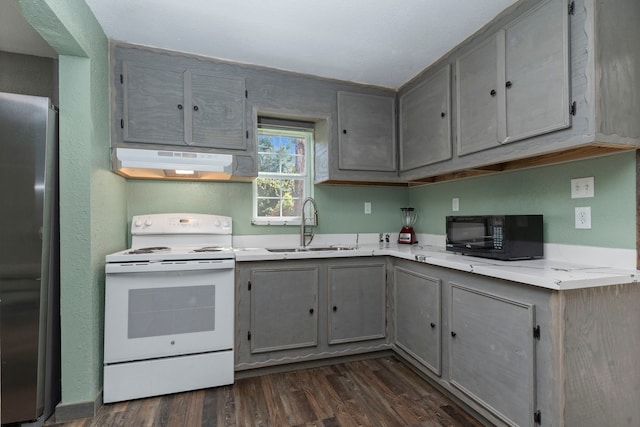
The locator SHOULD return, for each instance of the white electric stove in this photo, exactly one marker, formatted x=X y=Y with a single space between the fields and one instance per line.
x=169 y=307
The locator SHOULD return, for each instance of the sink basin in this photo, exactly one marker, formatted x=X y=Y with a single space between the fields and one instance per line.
x=311 y=249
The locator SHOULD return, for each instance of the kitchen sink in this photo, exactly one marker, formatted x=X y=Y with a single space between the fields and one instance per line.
x=312 y=249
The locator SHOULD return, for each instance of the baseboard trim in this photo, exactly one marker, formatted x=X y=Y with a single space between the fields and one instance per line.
x=78 y=410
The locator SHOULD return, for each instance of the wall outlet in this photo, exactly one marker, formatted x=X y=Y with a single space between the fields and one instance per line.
x=367 y=208
x=583 y=218
x=582 y=187
x=455 y=204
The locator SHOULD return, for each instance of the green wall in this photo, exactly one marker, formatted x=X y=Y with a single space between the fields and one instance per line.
x=92 y=199
x=544 y=190
x=340 y=208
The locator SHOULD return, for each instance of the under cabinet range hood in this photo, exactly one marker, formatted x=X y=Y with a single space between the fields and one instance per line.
x=170 y=164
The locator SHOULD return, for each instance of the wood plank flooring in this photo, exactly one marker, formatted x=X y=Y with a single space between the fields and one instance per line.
x=376 y=392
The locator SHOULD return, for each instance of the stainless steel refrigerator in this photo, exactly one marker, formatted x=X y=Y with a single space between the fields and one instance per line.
x=29 y=259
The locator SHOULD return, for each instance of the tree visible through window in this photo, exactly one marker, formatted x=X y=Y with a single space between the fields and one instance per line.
x=283 y=175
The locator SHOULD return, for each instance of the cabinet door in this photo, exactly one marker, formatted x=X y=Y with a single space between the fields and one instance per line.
x=477 y=102
x=367 y=131
x=153 y=109
x=536 y=72
x=417 y=299
x=356 y=303
x=425 y=124
x=492 y=353
x=284 y=308
x=216 y=111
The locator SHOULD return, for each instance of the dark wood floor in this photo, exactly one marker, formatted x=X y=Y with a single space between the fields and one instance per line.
x=377 y=392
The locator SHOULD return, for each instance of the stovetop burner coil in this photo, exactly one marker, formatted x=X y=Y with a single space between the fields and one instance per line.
x=209 y=249
x=149 y=250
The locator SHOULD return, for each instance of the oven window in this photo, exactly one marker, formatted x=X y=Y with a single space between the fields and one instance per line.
x=171 y=311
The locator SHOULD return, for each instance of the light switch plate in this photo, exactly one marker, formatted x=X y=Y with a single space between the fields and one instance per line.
x=583 y=218
x=582 y=187
x=367 y=208
x=455 y=204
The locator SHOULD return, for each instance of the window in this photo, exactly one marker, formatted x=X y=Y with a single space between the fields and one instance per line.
x=284 y=173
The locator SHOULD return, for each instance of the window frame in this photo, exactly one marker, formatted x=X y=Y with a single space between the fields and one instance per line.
x=306 y=178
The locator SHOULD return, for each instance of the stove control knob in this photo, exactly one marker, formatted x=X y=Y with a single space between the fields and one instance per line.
x=147 y=222
x=216 y=223
x=225 y=224
x=138 y=223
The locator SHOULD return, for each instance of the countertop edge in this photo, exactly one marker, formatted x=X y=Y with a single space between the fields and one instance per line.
x=549 y=274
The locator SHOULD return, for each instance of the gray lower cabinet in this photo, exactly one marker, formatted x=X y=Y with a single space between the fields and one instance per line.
x=357 y=302
x=492 y=352
x=367 y=132
x=284 y=310
x=284 y=307
x=417 y=316
x=175 y=106
x=425 y=121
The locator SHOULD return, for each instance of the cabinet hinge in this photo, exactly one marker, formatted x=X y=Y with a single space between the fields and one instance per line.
x=573 y=109
x=121 y=79
x=537 y=417
x=247 y=134
x=572 y=7
x=121 y=123
x=536 y=332
x=246 y=93
x=249 y=335
x=249 y=285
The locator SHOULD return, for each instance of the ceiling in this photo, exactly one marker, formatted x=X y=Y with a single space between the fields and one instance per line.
x=377 y=42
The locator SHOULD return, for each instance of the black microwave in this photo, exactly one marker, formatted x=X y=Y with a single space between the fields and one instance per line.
x=504 y=237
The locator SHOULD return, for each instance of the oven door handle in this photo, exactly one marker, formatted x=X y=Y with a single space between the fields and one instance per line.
x=150 y=266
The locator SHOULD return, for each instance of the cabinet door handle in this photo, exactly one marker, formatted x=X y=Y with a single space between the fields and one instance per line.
x=433 y=325
x=311 y=311
x=443 y=114
x=453 y=334
x=344 y=131
x=335 y=308
x=508 y=84
x=493 y=92
x=195 y=108
x=179 y=106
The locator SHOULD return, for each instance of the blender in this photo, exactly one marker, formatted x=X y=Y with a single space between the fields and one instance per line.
x=407 y=235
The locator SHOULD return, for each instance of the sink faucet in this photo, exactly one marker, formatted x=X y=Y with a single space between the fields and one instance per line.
x=304 y=232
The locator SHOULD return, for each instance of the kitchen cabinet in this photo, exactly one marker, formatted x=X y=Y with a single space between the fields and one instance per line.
x=417 y=316
x=356 y=302
x=284 y=310
x=177 y=106
x=542 y=83
x=492 y=352
x=477 y=98
x=284 y=307
x=534 y=86
x=515 y=84
x=366 y=132
x=425 y=121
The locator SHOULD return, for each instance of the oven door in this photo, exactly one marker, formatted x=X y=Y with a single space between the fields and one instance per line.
x=155 y=310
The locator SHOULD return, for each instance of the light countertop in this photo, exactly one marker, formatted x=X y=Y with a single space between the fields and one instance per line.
x=543 y=273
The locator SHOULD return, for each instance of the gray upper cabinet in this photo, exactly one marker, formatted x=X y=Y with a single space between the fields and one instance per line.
x=515 y=84
x=425 y=121
x=366 y=132
x=284 y=308
x=357 y=304
x=477 y=98
x=417 y=324
x=534 y=81
x=492 y=353
x=180 y=107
